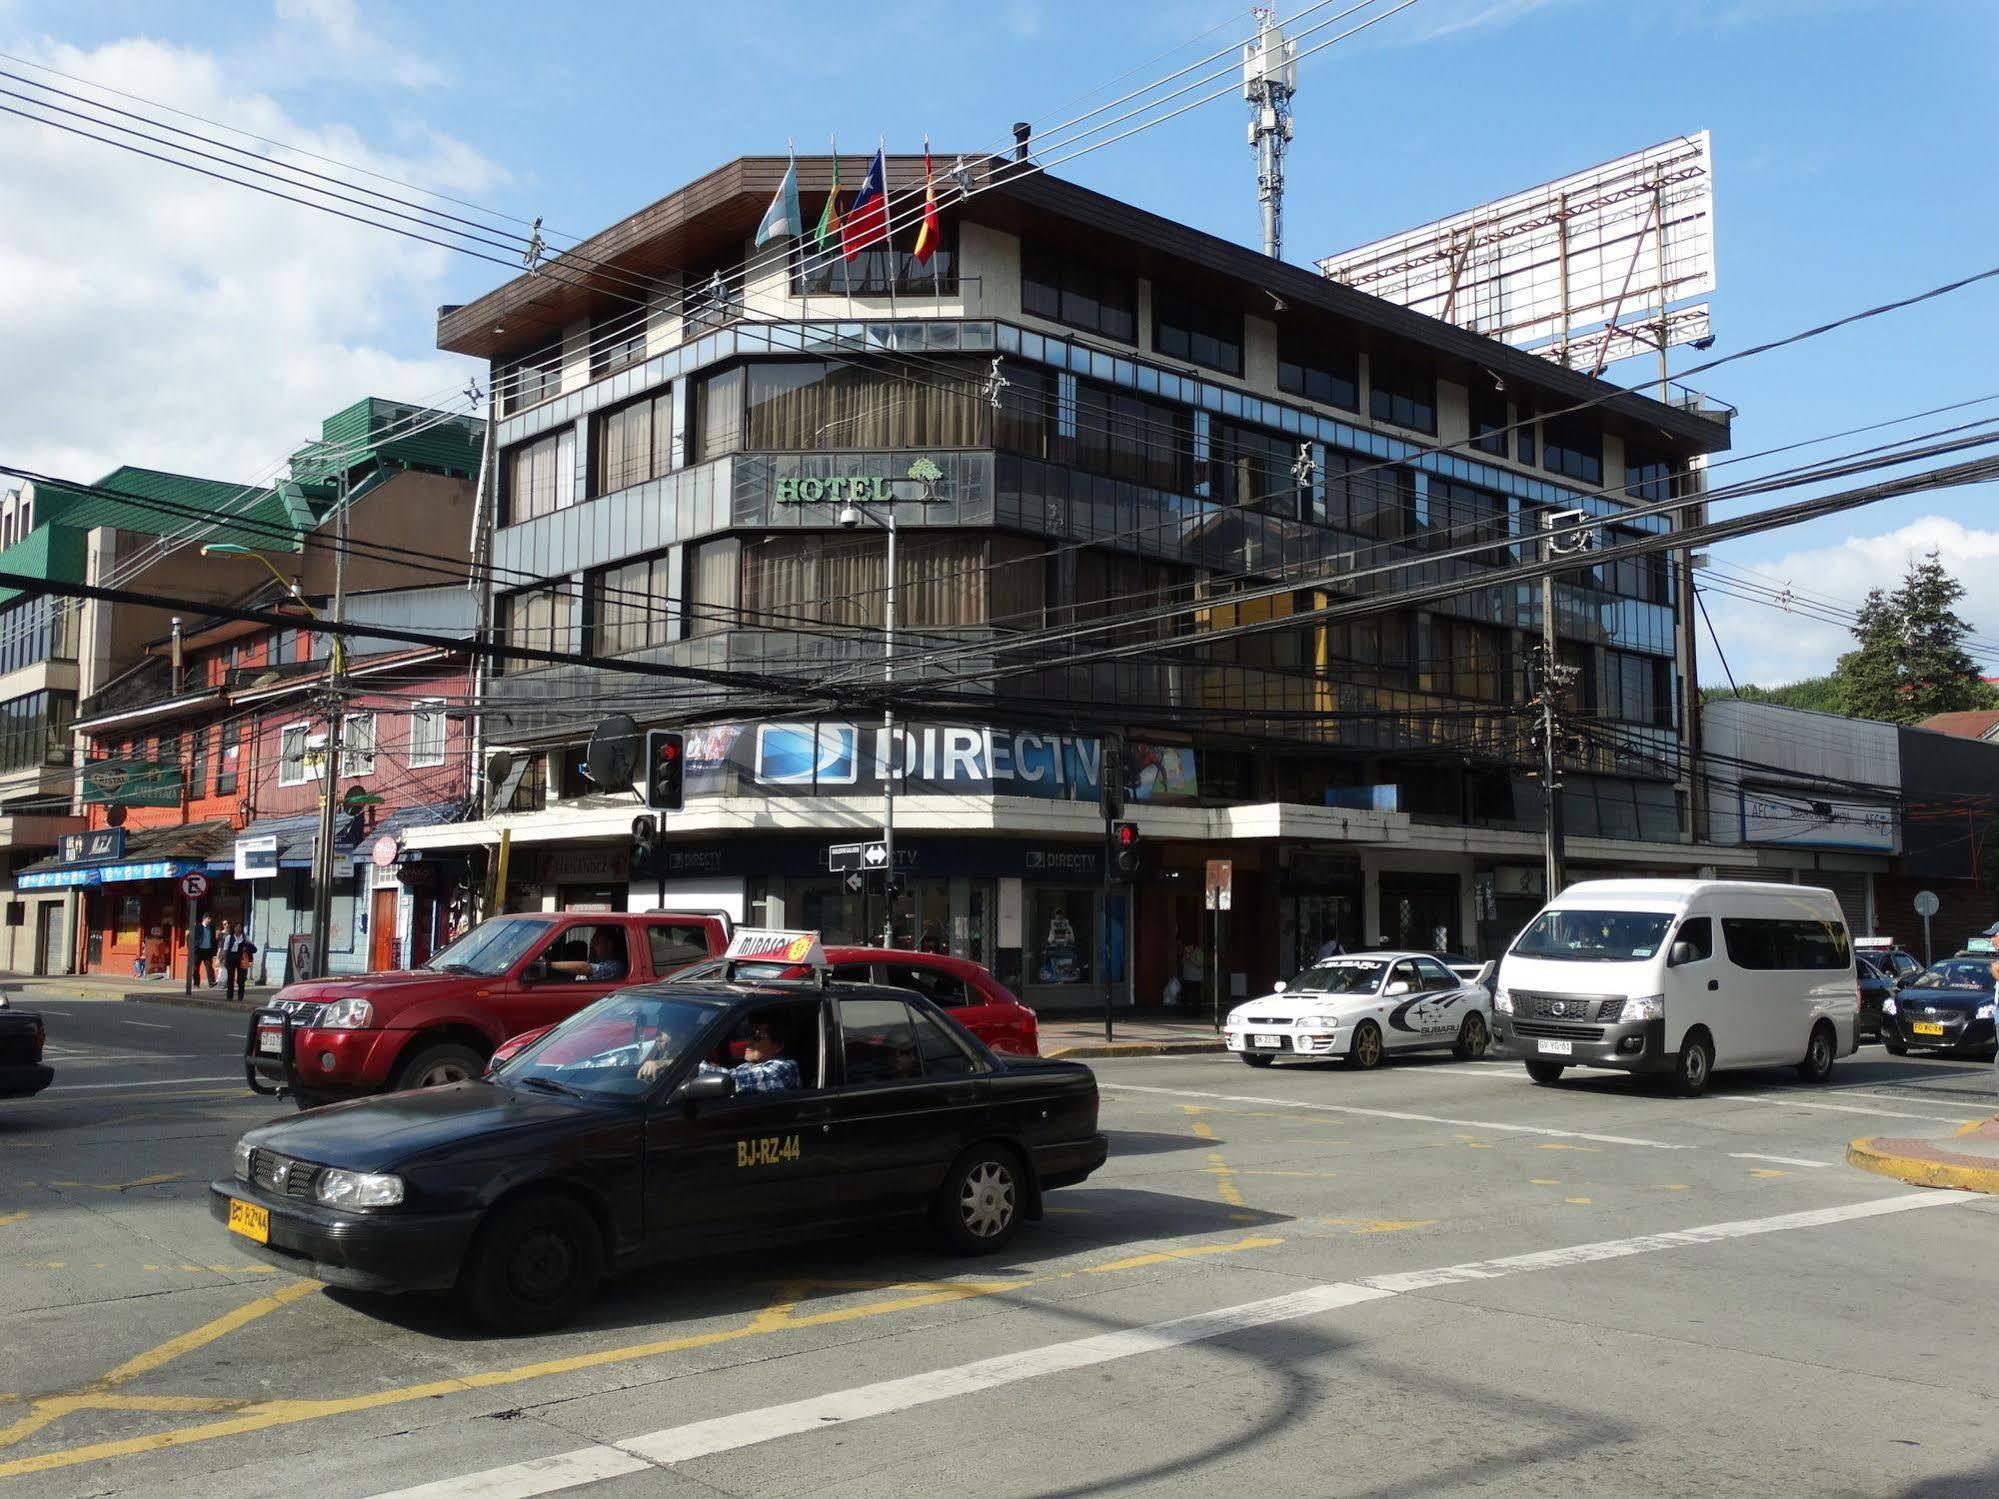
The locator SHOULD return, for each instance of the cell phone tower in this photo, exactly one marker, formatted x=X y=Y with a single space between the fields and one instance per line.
x=1269 y=79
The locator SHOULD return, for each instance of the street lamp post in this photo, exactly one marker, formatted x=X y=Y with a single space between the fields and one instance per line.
x=850 y=516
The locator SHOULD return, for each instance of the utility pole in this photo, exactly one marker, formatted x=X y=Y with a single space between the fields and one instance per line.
x=1269 y=79
x=329 y=780
x=1555 y=681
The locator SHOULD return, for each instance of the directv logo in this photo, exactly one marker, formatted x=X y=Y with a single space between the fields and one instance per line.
x=798 y=754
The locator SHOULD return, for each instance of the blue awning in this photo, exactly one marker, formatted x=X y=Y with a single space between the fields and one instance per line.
x=106 y=874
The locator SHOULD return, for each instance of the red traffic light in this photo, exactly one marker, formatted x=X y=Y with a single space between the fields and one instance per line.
x=1127 y=834
x=669 y=749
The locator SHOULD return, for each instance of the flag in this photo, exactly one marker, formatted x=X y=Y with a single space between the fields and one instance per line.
x=867 y=219
x=782 y=217
x=926 y=236
x=829 y=219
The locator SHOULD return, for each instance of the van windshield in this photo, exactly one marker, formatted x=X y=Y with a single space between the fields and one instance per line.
x=1594 y=936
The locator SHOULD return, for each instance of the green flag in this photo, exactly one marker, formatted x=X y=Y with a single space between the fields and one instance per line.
x=828 y=232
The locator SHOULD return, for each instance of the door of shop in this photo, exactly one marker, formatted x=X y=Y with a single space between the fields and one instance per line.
x=382 y=932
x=48 y=938
x=1420 y=911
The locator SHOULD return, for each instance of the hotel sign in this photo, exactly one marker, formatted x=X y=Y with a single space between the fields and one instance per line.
x=860 y=489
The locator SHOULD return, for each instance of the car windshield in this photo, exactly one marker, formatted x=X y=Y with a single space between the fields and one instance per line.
x=597 y=1052
x=1971 y=973
x=1341 y=976
x=1593 y=936
x=490 y=948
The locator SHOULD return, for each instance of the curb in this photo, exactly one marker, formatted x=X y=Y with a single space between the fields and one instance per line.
x=182 y=1001
x=1101 y=1049
x=1918 y=1172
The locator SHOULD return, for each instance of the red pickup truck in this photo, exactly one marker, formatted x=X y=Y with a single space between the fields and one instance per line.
x=325 y=1039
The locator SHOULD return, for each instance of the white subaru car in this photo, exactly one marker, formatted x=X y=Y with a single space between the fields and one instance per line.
x=1365 y=1008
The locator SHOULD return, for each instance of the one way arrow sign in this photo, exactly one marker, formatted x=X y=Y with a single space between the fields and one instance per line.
x=875 y=855
x=841 y=857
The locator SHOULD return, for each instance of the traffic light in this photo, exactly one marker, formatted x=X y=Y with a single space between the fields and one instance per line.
x=645 y=836
x=1111 y=777
x=665 y=769
x=1124 y=850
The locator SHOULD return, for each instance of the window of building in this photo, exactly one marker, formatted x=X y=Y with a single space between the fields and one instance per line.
x=1066 y=289
x=1452 y=515
x=1363 y=495
x=1093 y=584
x=1461 y=658
x=1025 y=421
x=540 y=619
x=711 y=295
x=617 y=341
x=228 y=756
x=718 y=414
x=1401 y=395
x=532 y=380
x=1254 y=468
x=813 y=404
x=426 y=734
x=632 y=443
x=714 y=586
x=301 y=754
x=794 y=581
x=1125 y=436
x=1526 y=430
x=631 y=606
x=37 y=630
x=1599 y=807
x=1200 y=330
x=1488 y=422
x=357 y=744
x=880 y=271
x=541 y=476
x=1637 y=689
x=1650 y=477
x=1572 y=448
x=197 y=763
x=34 y=730
x=1314 y=368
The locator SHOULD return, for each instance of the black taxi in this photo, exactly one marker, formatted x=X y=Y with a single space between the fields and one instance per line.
x=671 y=1119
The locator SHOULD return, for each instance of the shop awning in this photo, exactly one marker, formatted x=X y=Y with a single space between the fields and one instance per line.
x=295 y=837
x=400 y=822
x=150 y=854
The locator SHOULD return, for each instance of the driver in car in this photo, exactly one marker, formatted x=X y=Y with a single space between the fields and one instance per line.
x=764 y=1068
x=606 y=963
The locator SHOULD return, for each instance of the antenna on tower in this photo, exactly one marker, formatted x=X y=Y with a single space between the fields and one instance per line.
x=1269 y=79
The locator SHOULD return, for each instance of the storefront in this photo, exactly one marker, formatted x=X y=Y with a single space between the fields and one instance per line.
x=134 y=917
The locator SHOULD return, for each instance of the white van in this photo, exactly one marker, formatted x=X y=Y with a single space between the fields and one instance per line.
x=1679 y=977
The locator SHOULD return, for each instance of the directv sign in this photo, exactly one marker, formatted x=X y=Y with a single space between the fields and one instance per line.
x=841 y=759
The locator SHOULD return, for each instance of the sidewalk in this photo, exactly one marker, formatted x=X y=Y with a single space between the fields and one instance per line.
x=24 y=989
x=1967 y=1158
x=1144 y=1034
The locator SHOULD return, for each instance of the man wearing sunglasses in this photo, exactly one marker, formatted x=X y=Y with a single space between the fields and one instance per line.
x=764 y=1068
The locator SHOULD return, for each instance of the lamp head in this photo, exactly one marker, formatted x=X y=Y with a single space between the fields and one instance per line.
x=224 y=549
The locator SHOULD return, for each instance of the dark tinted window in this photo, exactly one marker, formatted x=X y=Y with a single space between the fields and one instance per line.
x=878 y=1041
x=1064 y=289
x=943 y=1055
x=945 y=989
x=1698 y=933
x=1317 y=371
x=1791 y=946
x=1197 y=329
x=1435 y=975
x=675 y=945
x=1406 y=397
x=1488 y=423
x=1573 y=449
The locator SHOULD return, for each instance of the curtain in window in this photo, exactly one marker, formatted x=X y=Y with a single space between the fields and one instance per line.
x=714 y=587
x=812 y=405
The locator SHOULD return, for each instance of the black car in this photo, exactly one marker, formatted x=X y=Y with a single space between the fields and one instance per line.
x=1876 y=985
x=23 y=1073
x=1949 y=1008
x=628 y=1134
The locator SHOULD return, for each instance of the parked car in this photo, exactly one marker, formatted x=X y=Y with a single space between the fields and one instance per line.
x=1365 y=1008
x=1901 y=965
x=1950 y=1008
x=977 y=1001
x=23 y=1073
x=326 y=1039
x=522 y=1190
x=1679 y=977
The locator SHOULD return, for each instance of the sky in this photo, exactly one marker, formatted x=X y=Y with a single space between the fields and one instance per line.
x=149 y=316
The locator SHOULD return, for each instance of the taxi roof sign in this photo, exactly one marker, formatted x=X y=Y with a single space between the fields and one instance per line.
x=753 y=944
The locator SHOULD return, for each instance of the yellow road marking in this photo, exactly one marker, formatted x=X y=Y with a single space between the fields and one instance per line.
x=1379 y=1225
x=143 y=1181
x=1578 y=1201
x=7 y=1218
x=1223 y=1173
x=1678 y=1187
x=1325 y=1175
x=1472 y=1142
x=1557 y=1145
x=241 y=1418
x=1766 y=1171
x=1544 y=1181
x=782 y=1312
x=1192 y=1251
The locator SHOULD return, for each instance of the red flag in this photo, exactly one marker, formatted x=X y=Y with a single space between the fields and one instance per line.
x=866 y=222
x=926 y=236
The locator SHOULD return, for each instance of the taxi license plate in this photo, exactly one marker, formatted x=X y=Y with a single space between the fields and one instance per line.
x=1266 y=1040
x=270 y=1042
x=1927 y=1028
x=249 y=1220
x=1557 y=1048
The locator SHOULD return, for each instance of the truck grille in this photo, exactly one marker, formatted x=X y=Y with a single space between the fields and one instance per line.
x=282 y=1175
x=1559 y=1032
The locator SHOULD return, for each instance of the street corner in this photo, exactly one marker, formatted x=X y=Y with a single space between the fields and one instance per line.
x=1966 y=1160
x=1098 y=1050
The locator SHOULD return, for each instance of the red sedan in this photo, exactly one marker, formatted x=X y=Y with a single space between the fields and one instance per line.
x=975 y=999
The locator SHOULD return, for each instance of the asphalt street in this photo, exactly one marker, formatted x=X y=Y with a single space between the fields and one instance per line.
x=1432 y=1279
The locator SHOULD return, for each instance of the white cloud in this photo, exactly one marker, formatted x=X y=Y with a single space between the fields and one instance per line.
x=162 y=318
x=329 y=38
x=1450 y=17
x=1768 y=646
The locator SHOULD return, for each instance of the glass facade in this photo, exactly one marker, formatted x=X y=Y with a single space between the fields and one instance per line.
x=37 y=630
x=34 y=730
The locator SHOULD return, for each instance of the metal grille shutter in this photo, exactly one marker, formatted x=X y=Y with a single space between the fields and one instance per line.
x=1851 y=888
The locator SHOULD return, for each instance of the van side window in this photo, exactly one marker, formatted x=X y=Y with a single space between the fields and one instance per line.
x=1698 y=933
x=1797 y=946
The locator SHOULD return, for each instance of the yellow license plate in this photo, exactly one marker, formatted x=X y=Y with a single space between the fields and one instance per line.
x=249 y=1220
x=1926 y=1028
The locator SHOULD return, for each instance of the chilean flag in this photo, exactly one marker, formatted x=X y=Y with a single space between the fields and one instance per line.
x=866 y=222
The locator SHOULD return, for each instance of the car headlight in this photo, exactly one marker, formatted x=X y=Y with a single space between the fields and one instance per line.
x=1319 y=1022
x=243 y=1152
x=347 y=1015
x=1643 y=1007
x=1983 y=1012
x=1888 y=1006
x=1502 y=1001
x=357 y=1189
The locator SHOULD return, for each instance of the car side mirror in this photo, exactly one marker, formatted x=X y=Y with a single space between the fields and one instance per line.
x=536 y=972
x=705 y=1087
x=1398 y=987
x=1682 y=953
x=1278 y=987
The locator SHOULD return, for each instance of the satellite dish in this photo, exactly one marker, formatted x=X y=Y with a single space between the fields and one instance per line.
x=613 y=757
x=498 y=764
x=115 y=816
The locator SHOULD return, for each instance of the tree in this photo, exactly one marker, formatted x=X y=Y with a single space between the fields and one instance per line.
x=1817 y=694
x=1910 y=661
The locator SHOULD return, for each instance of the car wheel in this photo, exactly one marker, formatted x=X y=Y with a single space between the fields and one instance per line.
x=1364 y=1050
x=978 y=1208
x=1695 y=1065
x=1256 y=1058
x=534 y=1265
x=434 y=1066
x=1547 y=1074
x=1894 y=1048
x=1472 y=1038
x=1820 y=1053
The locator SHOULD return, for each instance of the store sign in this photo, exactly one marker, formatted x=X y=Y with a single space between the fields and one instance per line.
x=134 y=783
x=98 y=843
x=843 y=759
x=585 y=866
x=1801 y=820
x=859 y=489
x=257 y=858
x=1365 y=798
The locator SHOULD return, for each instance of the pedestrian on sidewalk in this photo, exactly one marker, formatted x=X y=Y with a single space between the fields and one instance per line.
x=201 y=949
x=236 y=964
